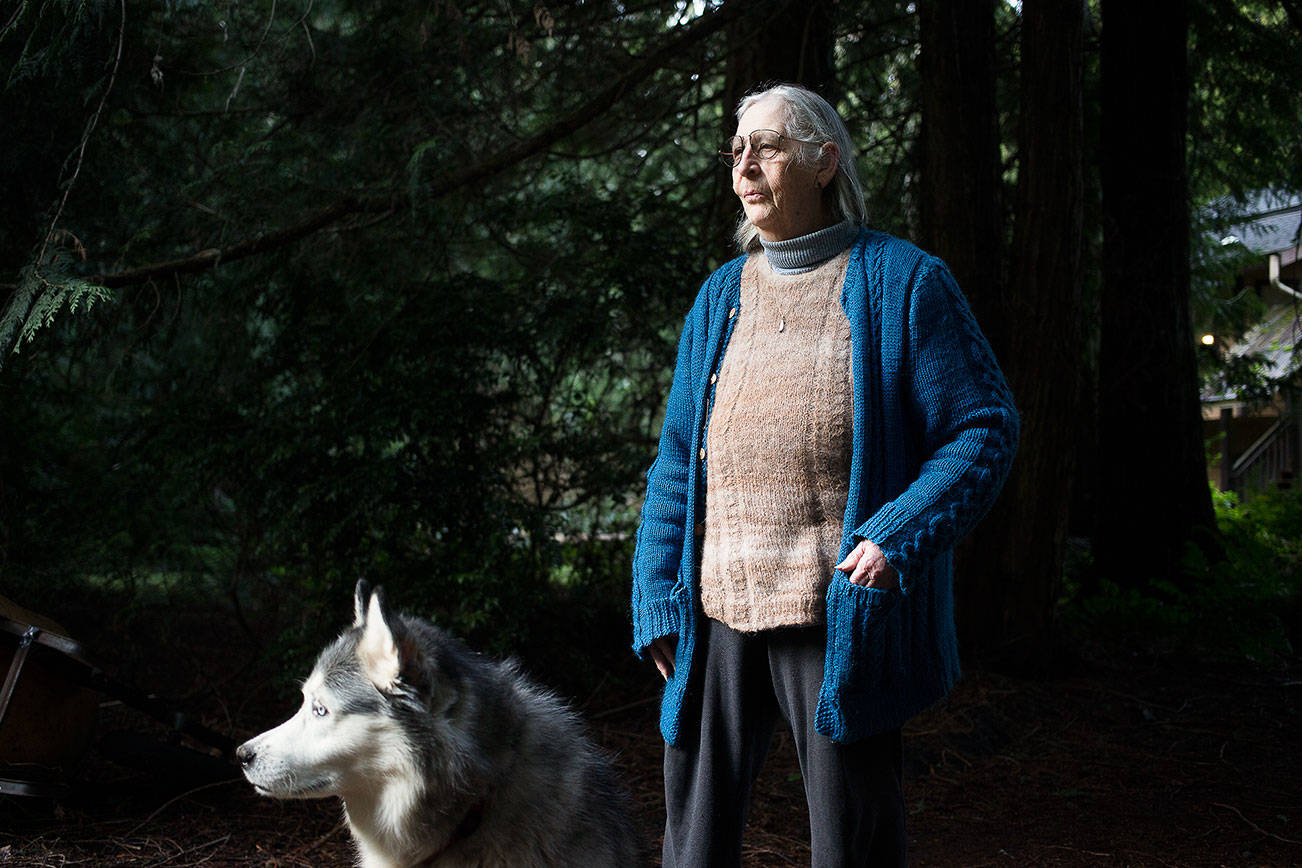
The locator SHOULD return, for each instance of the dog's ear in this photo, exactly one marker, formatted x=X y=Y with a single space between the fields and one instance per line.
x=361 y=596
x=378 y=650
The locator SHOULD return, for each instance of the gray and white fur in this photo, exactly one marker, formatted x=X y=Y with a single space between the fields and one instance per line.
x=441 y=756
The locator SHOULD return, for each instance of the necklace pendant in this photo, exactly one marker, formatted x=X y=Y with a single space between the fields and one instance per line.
x=782 y=324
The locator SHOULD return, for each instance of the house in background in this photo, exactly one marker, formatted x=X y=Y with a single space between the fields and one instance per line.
x=1260 y=436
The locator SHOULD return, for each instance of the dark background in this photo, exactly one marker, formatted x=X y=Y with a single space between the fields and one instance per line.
x=295 y=293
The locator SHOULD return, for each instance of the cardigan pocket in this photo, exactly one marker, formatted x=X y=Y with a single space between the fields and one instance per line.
x=859 y=625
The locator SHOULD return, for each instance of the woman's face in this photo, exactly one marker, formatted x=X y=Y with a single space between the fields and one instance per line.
x=782 y=196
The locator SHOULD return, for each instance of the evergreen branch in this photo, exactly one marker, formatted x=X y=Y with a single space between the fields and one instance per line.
x=211 y=257
x=1293 y=10
x=494 y=164
x=36 y=299
x=13 y=19
x=42 y=298
x=599 y=104
x=85 y=137
x=240 y=64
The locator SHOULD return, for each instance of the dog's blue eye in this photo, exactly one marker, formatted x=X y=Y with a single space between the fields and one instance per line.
x=318 y=709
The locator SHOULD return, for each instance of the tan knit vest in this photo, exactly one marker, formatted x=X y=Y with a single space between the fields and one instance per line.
x=778 y=450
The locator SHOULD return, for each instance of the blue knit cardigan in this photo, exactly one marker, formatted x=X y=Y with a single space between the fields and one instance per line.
x=935 y=431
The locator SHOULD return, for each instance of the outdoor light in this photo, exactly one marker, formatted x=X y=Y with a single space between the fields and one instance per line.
x=1208 y=340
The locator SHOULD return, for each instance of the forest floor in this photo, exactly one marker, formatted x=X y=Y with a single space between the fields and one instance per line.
x=1141 y=761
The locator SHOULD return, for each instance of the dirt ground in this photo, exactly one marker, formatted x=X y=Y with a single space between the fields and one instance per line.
x=1133 y=763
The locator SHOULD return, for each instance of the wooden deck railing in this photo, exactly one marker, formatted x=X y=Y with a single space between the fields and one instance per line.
x=1272 y=460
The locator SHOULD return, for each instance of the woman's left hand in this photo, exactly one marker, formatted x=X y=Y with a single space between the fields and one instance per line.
x=868 y=566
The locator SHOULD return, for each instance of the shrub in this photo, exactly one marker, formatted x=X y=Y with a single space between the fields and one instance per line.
x=1245 y=605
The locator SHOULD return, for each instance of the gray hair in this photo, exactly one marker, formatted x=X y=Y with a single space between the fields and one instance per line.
x=806 y=115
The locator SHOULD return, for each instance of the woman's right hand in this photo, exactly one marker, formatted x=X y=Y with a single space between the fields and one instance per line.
x=662 y=652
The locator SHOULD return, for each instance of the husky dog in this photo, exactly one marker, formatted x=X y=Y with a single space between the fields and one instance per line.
x=442 y=757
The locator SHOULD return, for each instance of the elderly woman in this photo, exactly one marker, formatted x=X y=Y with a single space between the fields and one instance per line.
x=836 y=423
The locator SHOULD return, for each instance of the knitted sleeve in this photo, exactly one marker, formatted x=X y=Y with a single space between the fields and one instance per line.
x=960 y=401
x=661 y=531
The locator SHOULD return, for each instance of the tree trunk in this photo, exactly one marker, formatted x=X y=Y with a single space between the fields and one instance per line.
x=958 y=151
x=1010 y=582
x=1152 y=486
x=960 y=220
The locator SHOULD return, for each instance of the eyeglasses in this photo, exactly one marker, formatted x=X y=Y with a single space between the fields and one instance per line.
x=764 y=144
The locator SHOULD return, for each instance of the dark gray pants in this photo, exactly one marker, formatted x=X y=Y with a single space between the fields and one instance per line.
x=856 y=804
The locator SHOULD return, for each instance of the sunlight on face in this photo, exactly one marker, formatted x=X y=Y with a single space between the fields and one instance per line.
x=780 y=196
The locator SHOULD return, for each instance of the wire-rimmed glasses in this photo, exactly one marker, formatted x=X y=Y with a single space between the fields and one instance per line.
x=764 y=144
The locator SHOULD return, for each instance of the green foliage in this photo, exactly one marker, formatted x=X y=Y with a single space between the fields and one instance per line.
x=42 y=32
x=1248 y=604
x=1243 y=140
x=1248 y=377
x=1244 y=113
x=1221 y=306
x=42 y=296
x=1264 y=535
x=428 y=395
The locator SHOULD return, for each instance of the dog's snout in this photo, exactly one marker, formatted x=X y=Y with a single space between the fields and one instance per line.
x=245 y=754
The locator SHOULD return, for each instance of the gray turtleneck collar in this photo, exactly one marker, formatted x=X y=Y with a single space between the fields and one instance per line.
x=797 y=255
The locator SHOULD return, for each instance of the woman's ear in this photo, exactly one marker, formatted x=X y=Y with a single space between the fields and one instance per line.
x=829 y=160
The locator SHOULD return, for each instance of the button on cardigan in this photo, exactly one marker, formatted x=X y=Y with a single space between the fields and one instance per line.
x=935 y=431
